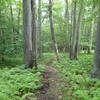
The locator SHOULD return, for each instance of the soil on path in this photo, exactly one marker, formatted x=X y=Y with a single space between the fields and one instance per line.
x=52 y=82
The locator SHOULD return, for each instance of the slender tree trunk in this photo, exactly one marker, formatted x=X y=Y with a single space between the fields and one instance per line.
x=73 y=39
x=71 y=29
x=12 y=20
x=96 y=72
x=11 y=12
x=34 y=39
x=78 y=31
x=39 y=28
x=18 y=30
x=19 y=12
x=27 y=33
x=2 y=43
x=67 y=23
x=91 y=37
x=52 y=30
x=13 y=30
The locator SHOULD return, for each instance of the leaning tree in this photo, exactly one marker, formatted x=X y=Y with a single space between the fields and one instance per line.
x=54 y=42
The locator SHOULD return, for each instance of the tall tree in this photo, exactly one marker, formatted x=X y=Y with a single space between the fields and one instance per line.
x=92 y=30
x=91 y=37
x=73 y=36
x=34 y=39
x=19 y=13
x=39 y=28
x=12 y=23
x=78 y=30
x=96 y=72
x=52 y=30
x=29 y=33
x=67 y=25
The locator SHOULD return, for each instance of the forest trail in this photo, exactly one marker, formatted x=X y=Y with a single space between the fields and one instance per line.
x=52 y=81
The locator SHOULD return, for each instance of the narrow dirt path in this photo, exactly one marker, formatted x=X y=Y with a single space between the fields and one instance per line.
x=52 y=81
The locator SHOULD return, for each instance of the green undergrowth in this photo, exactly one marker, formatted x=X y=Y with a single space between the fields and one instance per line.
x=79 y=86
x=18 y=83
x=46 y=57
x=10 y=62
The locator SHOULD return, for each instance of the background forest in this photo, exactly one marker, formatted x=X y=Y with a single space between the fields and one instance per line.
x=38 y=37
x=11 y=25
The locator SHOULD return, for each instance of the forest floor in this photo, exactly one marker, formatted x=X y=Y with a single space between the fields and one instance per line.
x=52 y=81
x=63 y=80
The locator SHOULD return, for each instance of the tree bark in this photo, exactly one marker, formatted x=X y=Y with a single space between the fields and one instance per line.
x=27 y=33
x=91 y=37
x=96 y=71
x=67 y=25
x=12 y=23
x=19 y=12
x=78 y=31
x=73 y=39
x=71 y=29
x=34 y=32
x=39 y=28
x=92 y=32
x=52 y=30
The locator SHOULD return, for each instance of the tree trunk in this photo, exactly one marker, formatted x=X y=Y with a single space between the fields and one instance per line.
x=19 y=12
x=91 y=37
x=34 y=39
x=71 y=29
x=12 y=23
x=66 y=28
x=96 y=72
x=78 y=31
x=39 y=29
x=52 y=30
x=27 y=33
x=73 y=39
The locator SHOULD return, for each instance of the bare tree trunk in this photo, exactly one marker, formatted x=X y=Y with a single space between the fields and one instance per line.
x=19 y=12
x=11 y=12
x=71 y=29
x=39 y=29
x=73 y=39
x=17 y=30
x=34 y=39
x=96 y=72
x=78 y=31
x=52 y=30
x=12 y=20
x=2 y=41
x=66 y=28
x=27 y=33
x=91 y=37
